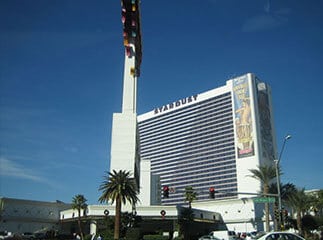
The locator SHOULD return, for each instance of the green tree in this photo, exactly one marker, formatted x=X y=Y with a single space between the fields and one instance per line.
x=185 y=218
x=286 y=190
x=319 y=205
x=316 y=202
x=79 y=203
x=119 y=187
x=309 y=224
x=190 y=195
x=265 y=174
x=298 y=201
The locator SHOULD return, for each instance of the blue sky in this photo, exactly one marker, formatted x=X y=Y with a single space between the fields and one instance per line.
x=61 y=66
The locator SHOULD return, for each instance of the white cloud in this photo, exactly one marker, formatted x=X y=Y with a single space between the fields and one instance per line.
x=266 y=20
x=12 y=169
x=72 y=149
x=260 y=22
x=267 y=6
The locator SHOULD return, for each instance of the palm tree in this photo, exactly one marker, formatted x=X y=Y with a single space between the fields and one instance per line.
x=190 y=195
x=118 y=187
x=265 y=174
x=185 y=218
x=286 y=190
x=298 y=201
x=79 y=203
x=316 y=202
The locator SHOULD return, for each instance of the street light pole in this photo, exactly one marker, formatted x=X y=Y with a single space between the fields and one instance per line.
x=277 y=162
x=278 y=193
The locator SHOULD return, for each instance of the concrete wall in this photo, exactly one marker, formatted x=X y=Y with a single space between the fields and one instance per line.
x=19 y=216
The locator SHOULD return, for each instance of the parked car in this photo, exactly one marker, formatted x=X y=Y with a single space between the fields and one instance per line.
x=224 y=234
x=208 y=237
x=27 y=236
x=253 y=234
x=40 y=236
x=280 y=236
x=4 y=235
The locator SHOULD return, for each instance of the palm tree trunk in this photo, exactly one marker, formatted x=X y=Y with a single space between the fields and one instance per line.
x=299 y=222
x=117 y=219
x=79 y=224
x=267 y=217
x=265 y=191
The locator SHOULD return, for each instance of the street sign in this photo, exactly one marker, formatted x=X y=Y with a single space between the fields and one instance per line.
x=264 y=200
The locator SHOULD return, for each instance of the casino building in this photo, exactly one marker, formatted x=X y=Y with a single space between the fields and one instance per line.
x=208 y=141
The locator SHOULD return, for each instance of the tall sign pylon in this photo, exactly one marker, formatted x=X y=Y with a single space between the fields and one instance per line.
x=125 y=139
x=132 y=42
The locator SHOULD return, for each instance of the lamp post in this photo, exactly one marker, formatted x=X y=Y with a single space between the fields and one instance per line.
x=277 y=161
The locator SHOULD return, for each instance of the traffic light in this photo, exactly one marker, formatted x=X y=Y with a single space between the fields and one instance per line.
x=284 y=214
x=166 y=191
x=212 y=192
x=277 y=214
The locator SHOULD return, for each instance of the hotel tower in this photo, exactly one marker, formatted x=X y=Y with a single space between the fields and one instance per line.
x=209 y=141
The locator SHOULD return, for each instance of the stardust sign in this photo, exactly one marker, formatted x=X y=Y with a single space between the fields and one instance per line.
x=176 y=104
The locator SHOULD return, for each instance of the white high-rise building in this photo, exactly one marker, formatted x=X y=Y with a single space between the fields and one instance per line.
x=210 y=140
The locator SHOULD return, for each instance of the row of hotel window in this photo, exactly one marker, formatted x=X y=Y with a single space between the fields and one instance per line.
x=212 y=138
x=190 y=152
x=184 y=163
x=215 y=177
x=191 y=120
x=202 y=114
x=191 y=161
x=184 y=136
x=217 y=126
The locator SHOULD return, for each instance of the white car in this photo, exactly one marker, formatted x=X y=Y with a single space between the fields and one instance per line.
x=208 y=237
x=4 y=235
x=280 y=236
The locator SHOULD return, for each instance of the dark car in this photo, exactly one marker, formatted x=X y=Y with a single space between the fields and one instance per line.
x=40 y=236
x=27 y=235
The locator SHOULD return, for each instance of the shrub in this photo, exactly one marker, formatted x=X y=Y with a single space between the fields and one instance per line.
x=133 y=234
x=155 y=237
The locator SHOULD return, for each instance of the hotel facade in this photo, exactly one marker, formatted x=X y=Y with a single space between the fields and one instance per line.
x=209 y=140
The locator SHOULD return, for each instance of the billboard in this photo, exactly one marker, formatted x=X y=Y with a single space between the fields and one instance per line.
x=265 y=121
x=242 y=117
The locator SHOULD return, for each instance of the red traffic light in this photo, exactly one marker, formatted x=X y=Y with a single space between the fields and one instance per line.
x=212 y=192
x=166 y=191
